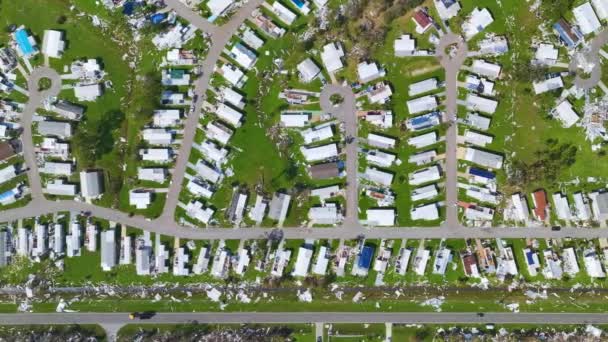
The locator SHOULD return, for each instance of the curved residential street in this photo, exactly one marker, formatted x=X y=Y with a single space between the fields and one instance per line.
x=219 y=39
x=346 y=112
x=591 y=54
x=35 y=101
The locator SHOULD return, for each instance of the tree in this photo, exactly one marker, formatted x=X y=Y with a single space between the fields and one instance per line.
x=549 y=163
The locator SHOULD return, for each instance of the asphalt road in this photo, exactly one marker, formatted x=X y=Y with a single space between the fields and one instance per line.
x=452 y=65
x=349 y=230
x=34 y=102
x=346 y=112
x=307 y=317
x=591 y=54
x=219 y=38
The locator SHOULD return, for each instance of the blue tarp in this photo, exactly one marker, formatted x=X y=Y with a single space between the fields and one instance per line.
x=129 y=7
x=529 y=258
x=298 y=3
x=481 y=173
x=25 y=46
x=6 y=195
x=365 y=258
x=158 y=18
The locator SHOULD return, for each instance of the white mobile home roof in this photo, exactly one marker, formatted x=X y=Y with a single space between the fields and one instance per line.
x=380 y=141
x=232 y=74
x=319 y=153
x=429 y=174
x=252 y=39
x=380 y=158
x=243 y=56
x=566 y=114
x=140 y=199
x=91 y=183
x=87 y=92
x=295 y=120
x=166 y=118
x=206 y=172
x=427 y=212
x=217 y=7
x=108 y=249
x=601 y=8
x=219 y=132
x=481 y=104
x=52 y=44
x=283 y=13
x=582 y=207
x=308 y=69
x=585 y=18
x=57 y=168
x=229 y=114
x=376 y=176
x=381 y=93
x=232 y=97
x=317 y=134
x=8 y=173
x=404 y=46
x=477 y=121
x=380 y=217
x=486 y=69
x=547 y=52
x=199 y=190
x=155 y=154
x=328 y=214
x=521 y=207
x=152 y=174
x=302 y=262
x=425 y=192
x=157 y=136
x=259 y=209
x=592 y=262
x=325 y=192
x=331 y=57
x=213 y=153
x=480 y=85
x=59 y=188
x=477 y=21
x=368 y=72
x=562 y=207
x=195 y=210
x=476 y=138
x=548 y=85
x=320 y=266
x=483 y=158
x=422 y=87
x=422 y=104
x=422 y=158
x=570 y=263
x=279 y=205
x=478 y=213
x=55 y=128
x=423 y=140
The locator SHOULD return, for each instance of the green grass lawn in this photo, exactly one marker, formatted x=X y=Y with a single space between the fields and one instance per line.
x=520 y=125
x=112 y=124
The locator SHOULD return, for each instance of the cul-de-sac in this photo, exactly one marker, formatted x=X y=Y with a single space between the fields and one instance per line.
x=303 y=170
